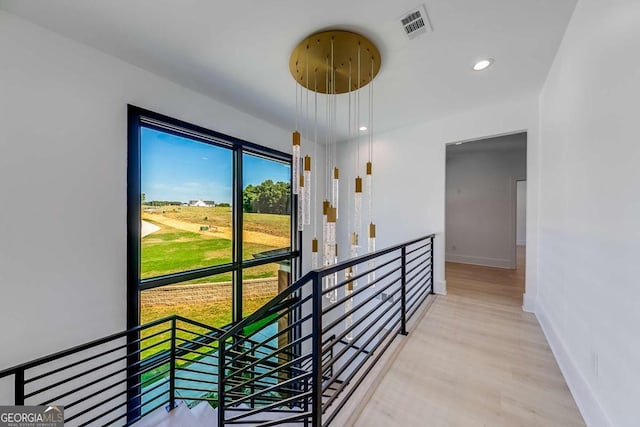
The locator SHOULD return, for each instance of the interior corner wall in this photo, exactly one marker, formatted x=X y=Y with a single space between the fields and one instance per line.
x=521 y=213
x=590 y=210
x=409 y=177
x=63 y=169
x=481 y=200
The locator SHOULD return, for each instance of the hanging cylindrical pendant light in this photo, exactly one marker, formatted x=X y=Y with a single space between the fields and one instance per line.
x=333 y=296
x=348 y=306
x=371 y=248
x=314 y=254
x=295 y=163
x=326 y=251
x=301 y=203
x=357 y=206
x=354 y=244
x=331 y=235
x=354 y=253
x=331 y=251
x=335 y=190
x=307 y=190
x=325 y=235
x=372 y=237
x=369 y=190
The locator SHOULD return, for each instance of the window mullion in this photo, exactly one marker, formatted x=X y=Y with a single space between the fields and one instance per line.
x=237 y=233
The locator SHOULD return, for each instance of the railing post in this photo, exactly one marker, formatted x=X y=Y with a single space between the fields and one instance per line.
x=305 y=385
x=403 y=292
x=134 y=389
x=252 y=375
x=19 y=387
x=172 y=367
x=433 y=280
x=316 y=351
x=221 y=368
x=305 y=402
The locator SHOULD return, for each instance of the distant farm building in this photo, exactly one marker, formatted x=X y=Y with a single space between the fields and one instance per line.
x=202 y=203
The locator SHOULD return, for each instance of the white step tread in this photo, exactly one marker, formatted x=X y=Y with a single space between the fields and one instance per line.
x=180 y=416
x=204 y=415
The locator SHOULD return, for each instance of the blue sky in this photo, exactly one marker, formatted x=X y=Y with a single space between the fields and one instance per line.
x=180 y=169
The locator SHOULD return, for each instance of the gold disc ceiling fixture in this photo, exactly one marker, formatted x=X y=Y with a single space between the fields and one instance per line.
x=348 y=48
x=328 y=64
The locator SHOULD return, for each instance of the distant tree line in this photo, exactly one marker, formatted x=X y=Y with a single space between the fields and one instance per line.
x=268 y=197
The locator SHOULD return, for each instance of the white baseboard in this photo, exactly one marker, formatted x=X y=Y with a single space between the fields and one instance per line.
x=590 y=408
x=440 y=287
x=477 y=260
x=528 y=303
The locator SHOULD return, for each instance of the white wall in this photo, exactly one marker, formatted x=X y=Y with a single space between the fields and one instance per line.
x=481 y=200
x=63 y=164
x=409 y=176
x=521 y=213
x=590 y=210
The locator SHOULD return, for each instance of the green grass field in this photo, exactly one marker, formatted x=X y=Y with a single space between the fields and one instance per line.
x=173 y=249
x=181 y=244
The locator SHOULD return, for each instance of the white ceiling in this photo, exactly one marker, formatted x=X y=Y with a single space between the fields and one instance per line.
x=238 y=51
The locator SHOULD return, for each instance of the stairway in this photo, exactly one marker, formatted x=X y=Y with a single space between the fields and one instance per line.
x=330 y=391
x=204 y=415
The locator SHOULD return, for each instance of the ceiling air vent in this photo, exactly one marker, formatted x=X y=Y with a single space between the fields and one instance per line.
x=416 y=22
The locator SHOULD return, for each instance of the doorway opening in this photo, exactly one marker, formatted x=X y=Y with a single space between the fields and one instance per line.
x=485 y=219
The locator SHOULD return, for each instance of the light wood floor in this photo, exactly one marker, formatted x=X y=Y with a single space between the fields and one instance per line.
x=475 y=359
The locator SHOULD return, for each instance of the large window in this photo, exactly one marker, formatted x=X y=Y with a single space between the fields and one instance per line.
x=210 y=225
x=186 y=191
x=266 y=203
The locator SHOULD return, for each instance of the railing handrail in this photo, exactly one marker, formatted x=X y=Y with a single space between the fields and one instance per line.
x=321 y=272
x=342 y=265
x=259 y=313
x=82 y=347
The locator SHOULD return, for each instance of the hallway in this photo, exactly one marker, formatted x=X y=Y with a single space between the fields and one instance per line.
x=475 y=359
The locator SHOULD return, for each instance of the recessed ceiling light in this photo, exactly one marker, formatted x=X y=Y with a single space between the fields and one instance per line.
x=483 y=64
x=363 y=128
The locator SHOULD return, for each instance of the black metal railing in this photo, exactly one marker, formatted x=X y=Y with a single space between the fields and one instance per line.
x=105 y=382
x=97 y=383
x=298 y=359
x=323 y=345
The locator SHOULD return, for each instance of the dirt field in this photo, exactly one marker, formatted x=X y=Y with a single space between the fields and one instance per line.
x=218 y=231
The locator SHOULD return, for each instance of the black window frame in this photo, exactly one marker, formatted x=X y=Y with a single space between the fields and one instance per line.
x=140 y=117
